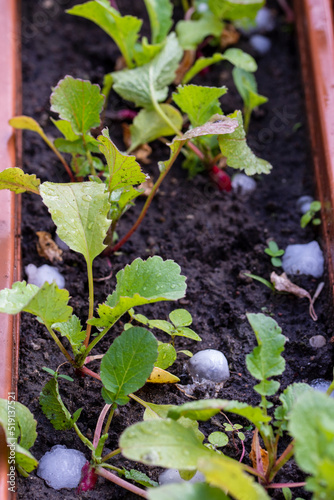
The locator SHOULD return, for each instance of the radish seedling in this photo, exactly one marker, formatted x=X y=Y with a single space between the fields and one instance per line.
x=275 y=253
x=310 y=215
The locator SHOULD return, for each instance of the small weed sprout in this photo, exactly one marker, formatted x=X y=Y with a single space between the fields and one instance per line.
x=311 y=215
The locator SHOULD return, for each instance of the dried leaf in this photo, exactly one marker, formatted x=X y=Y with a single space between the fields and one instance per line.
x=143 y=152
x=229 y=36
x=259 y=456
x=283 y=284
x=47 y=248
x=160 y=376
x=221 y=125
x=147 y=186
x=186 y=63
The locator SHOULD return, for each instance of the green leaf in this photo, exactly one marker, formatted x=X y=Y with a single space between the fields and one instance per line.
x=140 y=477
x=237 y=57
x=247 y=88
x=166 y=356
x=314 y=441
x=205 y=409
x=199 y=103
x=234 y=10
x=229 y=475
x=124 y=170
x=72 y=330
x=128 y=363
x=288 y=399
x=160 y=14
x=54 y=408
x=17 y=181
x=218 y=439
x=183 y=331
x=122 y=29
x=163 y=443
x=19 y=427
x=186 y=491
x=144 y=53
x=142 y=282
x=66 y=129
x=148 y=125
x=149 y=83
x=80 y=213
x=78 y=102
x=266 y=361
x=49 y=303
x=192 y=33
x=261 y=280
x=180 y=317
x=238 y=153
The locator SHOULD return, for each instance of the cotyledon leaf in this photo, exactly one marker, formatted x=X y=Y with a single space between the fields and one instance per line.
x=80 y=213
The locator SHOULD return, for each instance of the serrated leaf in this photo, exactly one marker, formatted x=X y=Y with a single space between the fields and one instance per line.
x=288 y=399
x=49 y=303
x=160 y=14
x=122 y=29
x=54 y=408
x=229 y=475
x=149 y=82
x=192 y=32
x=124 y=170
x=140 y=477
x=17 y=181
x=234 y=10
x=142 y=282
x=166 y=356
x=163 y=443
x=199 y=103
x=237 y=57
x=180 y=317
x=205 y=409
x=79 y=102
x=128 y=363
x=72 y=330
x=266 y=361
x=24 y=460
x=186 y=491
x=220 y=126
x=80 y=214
x=148 y=125
x=237 y=152
x=314 y=440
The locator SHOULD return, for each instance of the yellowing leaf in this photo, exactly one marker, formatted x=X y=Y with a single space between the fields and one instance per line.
x=160 y=376
x=17 y=181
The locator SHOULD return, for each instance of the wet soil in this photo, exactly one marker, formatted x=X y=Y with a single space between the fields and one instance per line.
x=214 y=236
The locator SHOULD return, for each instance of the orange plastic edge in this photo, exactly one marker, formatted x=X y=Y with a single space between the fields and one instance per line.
x=10 y=211
x=315 y=29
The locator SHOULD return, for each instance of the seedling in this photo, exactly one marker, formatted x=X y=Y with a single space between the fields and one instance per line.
x=162 y=442
x=275 y=253
x=311 y=215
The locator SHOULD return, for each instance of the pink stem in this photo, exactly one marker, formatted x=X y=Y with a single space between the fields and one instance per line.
x=87 y=371
x=243 y=450
x=286 y=485
x=120 y=482
x=98 y=429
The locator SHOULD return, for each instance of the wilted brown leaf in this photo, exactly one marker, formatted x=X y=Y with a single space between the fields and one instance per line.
x=229 y=36
x=259 y=456
x=47 y=248
x=147 y=186
x=184 y=66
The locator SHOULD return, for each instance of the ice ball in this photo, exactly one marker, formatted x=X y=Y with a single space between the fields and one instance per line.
x=243 y=184
x=209 y=365
x=61 y=467
x=39 y=275
x=304 y=259
x=320 y=384
x=304 y=203
x=173 y=476
x=260 y=43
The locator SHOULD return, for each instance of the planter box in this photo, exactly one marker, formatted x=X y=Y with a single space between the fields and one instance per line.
x=10 y=271
x=315 y=31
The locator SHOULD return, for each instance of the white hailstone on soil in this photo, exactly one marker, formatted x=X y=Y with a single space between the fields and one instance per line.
x=303 y=204
x=39 y=275
x=173 y=476
x=61 y=467
x=202 y=7
x=209 y=365
x=243 y=184
x=320 y=384
x=265 y=20
x=260 y=43
x=304 y=259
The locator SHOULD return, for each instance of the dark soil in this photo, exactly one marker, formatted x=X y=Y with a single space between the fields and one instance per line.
x=212 y=235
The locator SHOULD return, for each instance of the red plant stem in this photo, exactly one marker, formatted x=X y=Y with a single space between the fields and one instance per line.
x=147 y=204
x=87 y=371
x=120 y=482
x=285 y=485
x=243 y=451
x=283 y=459
x=98 y=428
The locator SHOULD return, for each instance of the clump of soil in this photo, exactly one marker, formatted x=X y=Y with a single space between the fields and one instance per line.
x=214 y=236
